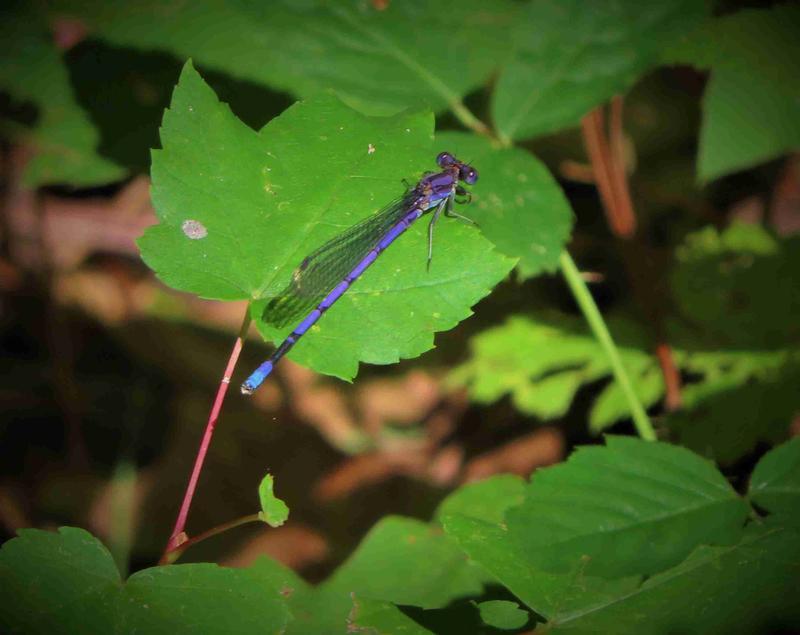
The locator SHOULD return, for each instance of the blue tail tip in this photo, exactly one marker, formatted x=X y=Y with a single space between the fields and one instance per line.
x=247 y=389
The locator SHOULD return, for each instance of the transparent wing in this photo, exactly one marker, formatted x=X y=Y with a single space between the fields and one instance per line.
x=328 y=265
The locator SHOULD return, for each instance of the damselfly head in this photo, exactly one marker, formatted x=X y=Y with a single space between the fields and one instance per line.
x=466 y=172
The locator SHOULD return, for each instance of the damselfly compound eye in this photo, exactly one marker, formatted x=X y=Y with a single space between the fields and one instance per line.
x=468 y=174
x=444 y=159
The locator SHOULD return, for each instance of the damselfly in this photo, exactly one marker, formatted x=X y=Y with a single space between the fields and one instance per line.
x=324 y=276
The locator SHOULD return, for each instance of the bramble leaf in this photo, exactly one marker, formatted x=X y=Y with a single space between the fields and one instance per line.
x=632 y=507
x=240 y=209
x=66 y=582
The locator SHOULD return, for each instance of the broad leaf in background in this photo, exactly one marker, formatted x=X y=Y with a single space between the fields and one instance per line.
x=519 y=205
x=239 y=210
x=487 y=499
x=727 y=415
x=737 y=293
x=632 y=507
x=571 y=56
x=740 y=588
x=486 y=540
x=739 y=287
x=749 y=587
x=565 y=356
x=775 y=483
x=63 y=138
x=66 y=582
x=401 y=561
x=406 y=561
x=750 y=108
x=381 y=60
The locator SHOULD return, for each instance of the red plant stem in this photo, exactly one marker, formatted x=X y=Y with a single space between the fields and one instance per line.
x=608 y=163
x=178 y=536
x=176 y=553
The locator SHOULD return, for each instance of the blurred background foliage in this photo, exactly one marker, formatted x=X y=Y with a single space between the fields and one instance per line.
x=108 y=374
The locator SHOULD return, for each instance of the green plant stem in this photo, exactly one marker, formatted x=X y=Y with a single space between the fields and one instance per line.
x=590 y=311
x=465 y=116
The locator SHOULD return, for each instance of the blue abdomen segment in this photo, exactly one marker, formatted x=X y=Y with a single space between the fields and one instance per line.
x=257 y=377
x=263 y=371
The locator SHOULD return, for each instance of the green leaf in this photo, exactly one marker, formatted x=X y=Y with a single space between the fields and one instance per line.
x=400 y=550
x=739 y=286
x=750 y=109
x=567 y=356
x=487 y=499
x=726 y=417
x=63 y=138
x=749 y=587
x=488 y=543
x=503 y=614
x=379 y=60
x=66 y=582
x=571 y=56
x=238 y=210
x=396 y=551
x=632 y=507
x=775 y=483
x=518 y=205
x=378 y=618
x=733 y=589
x=274 y=511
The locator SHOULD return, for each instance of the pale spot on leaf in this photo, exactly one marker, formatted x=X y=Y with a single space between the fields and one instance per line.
x=194 y=229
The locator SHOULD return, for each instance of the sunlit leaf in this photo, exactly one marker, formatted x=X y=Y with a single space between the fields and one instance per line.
x=274 y=511
x=543 y=361
x=240 y=209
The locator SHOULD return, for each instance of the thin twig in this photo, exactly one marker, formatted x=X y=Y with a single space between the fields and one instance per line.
x=178 y=536
x=608 y=162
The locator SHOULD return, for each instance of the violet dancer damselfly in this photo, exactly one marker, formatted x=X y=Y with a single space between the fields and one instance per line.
x=324 y=276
